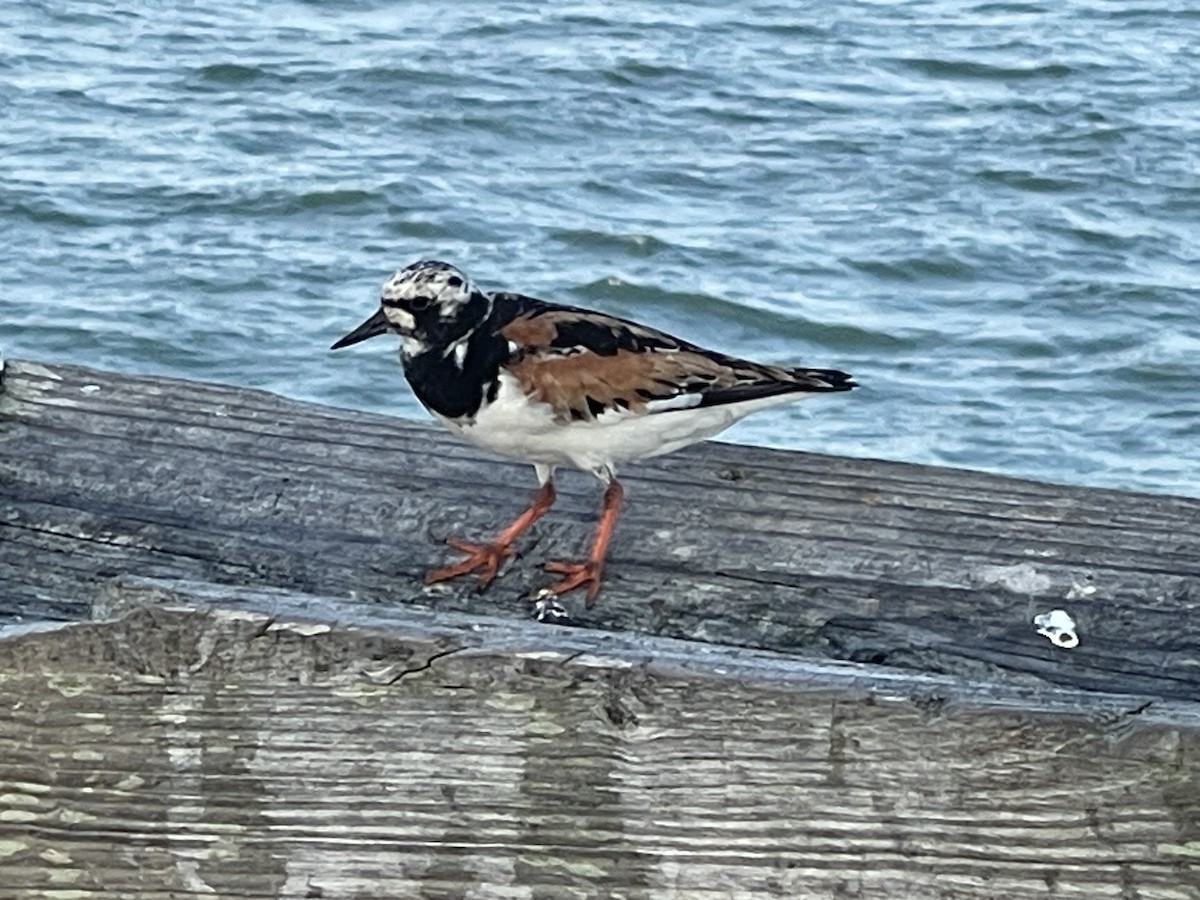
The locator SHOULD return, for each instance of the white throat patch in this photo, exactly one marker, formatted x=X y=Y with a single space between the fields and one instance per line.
x=411 y=347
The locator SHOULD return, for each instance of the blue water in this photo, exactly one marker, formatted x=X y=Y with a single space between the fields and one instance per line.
x=989 y=212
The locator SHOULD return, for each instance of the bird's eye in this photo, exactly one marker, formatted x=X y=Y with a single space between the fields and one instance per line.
x=419 y=303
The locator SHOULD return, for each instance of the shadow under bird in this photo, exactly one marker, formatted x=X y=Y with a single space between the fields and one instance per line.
x=558 y=385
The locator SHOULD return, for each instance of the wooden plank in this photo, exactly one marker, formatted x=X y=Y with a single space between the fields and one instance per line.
x=908 y=566
x=282 y=745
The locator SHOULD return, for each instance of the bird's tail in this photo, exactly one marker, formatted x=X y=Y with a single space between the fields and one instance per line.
x=823 y=379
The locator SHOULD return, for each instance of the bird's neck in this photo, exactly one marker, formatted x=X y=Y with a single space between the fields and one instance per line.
x=454 y=379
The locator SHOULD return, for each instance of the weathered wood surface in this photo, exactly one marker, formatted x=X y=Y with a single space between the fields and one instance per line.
x=173 y=750
x=921 y=568
x=305 y=719
x=903 y=565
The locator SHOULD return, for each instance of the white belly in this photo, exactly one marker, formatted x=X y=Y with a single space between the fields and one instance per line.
x=516 y=427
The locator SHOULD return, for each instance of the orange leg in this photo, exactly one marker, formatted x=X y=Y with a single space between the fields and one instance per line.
x=488 y=557
x=578 y=574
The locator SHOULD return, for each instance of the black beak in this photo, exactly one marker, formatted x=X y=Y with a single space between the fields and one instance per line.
x=373 y=327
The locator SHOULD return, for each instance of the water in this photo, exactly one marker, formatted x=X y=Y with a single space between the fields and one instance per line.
x=989 y=213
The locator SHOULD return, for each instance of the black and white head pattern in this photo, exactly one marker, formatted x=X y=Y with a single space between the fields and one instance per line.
x=431 y=304
x=428 y=286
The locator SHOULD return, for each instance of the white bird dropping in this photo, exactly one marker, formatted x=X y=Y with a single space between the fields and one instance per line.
x=1059 y=627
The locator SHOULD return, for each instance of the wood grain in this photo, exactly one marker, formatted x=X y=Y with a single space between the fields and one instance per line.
x=908 y=566
x=291 y=746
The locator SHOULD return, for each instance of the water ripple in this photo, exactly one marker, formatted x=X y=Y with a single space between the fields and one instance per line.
x=986 y=212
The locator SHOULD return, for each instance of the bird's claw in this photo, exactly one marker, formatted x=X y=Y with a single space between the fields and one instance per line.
x=483 y=557
x=575 y=575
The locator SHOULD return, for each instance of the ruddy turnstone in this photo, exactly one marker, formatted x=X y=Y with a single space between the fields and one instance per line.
x=557 y=385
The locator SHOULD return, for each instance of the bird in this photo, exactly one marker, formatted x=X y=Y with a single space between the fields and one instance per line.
x=556 y=385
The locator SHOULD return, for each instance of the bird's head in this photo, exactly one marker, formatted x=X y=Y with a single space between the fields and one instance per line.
x=428 y=304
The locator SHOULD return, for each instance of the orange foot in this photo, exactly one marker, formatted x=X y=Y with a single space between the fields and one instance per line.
x=576 y=575
x=488 y=557
x=484 y=557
